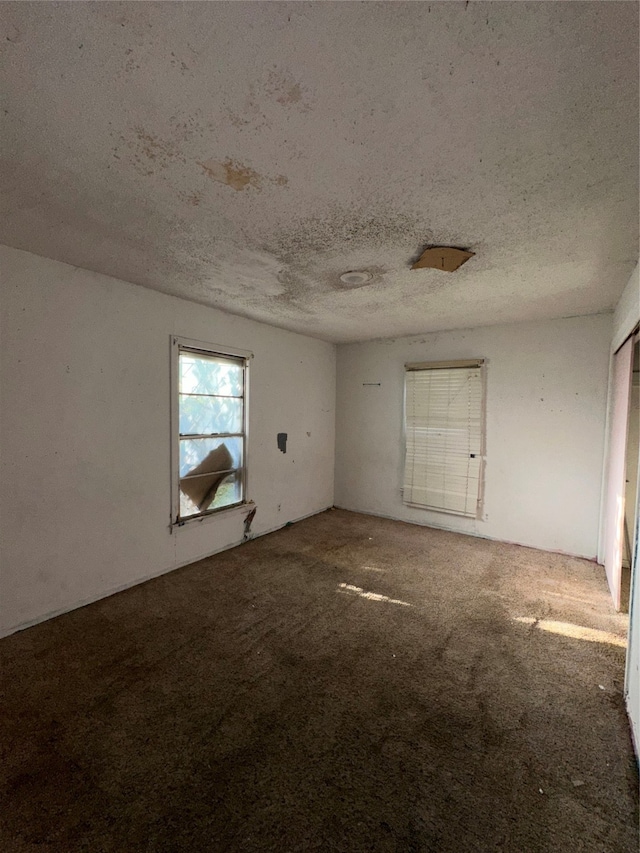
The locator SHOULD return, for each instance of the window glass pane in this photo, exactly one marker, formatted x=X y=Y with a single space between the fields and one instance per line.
x=210 y=402
x=214 y=454
x=228 y=492
x=210 y=414
x=210 y=375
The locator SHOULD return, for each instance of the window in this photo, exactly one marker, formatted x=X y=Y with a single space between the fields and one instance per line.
x=444 y=436
x=210 y=429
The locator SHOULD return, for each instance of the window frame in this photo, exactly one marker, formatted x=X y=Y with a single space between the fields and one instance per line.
x=481 y=364
x=178 y=345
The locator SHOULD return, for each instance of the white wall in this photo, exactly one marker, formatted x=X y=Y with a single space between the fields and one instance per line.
x=627 y=312
x=546 y=398
x=626 y=317
x=633 y=443
x=85 y=433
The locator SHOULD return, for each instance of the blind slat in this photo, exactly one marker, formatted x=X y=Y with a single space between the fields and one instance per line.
x=443 y=426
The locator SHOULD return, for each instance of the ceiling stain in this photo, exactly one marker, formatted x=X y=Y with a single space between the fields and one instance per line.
x=344 y=227
x=255 y=110
x=131 y=64
x=236 y=175
x=153 y=147
x=149 y=151
x=249 y=114
x=313 y=252
x=232 y=173
x=286 y=91
x=291 y=96
x=179 y=64
x=13 y=35
x=193 y=199
x=382 y=154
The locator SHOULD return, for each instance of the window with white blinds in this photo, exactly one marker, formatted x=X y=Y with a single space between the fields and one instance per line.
x=444 y=436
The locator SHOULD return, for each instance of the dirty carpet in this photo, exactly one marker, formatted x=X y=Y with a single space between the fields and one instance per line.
x=345 y=684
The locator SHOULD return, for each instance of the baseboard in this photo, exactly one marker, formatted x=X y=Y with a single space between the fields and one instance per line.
x=634 y=739
x=473 y=533
x=6 y=632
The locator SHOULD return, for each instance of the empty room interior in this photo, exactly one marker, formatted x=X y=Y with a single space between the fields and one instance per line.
x=319 y=439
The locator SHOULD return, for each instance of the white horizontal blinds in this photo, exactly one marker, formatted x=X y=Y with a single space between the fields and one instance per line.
x=443 y=423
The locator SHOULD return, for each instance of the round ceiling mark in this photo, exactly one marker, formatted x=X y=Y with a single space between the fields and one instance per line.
x=355 y=277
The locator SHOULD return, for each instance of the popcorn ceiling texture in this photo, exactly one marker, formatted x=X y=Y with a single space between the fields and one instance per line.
x=245 y=155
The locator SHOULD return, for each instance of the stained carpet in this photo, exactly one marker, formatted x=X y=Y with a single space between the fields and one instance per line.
x=345 y=684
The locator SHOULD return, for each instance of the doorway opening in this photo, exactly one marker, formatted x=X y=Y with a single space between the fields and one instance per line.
x=621 y=489
x=631 y=480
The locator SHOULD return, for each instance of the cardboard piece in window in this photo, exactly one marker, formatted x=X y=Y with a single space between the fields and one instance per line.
x=202 y=482
x=446 y=258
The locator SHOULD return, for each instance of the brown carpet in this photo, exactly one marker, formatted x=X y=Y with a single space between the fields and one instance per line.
x=346 y=684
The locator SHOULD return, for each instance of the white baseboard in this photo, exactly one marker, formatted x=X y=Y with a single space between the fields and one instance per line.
x=6 y=632
x=474 y=533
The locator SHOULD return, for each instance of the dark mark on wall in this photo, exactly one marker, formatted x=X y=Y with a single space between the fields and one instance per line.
x=247 y=523
x=282 y=442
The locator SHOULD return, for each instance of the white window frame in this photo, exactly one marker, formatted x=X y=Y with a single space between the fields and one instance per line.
x=179 y=344
x=479 y=363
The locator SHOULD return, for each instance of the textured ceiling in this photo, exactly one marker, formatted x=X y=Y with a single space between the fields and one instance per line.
x=244 y=155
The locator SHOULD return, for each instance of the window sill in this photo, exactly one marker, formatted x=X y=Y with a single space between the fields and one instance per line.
x=199 y=519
